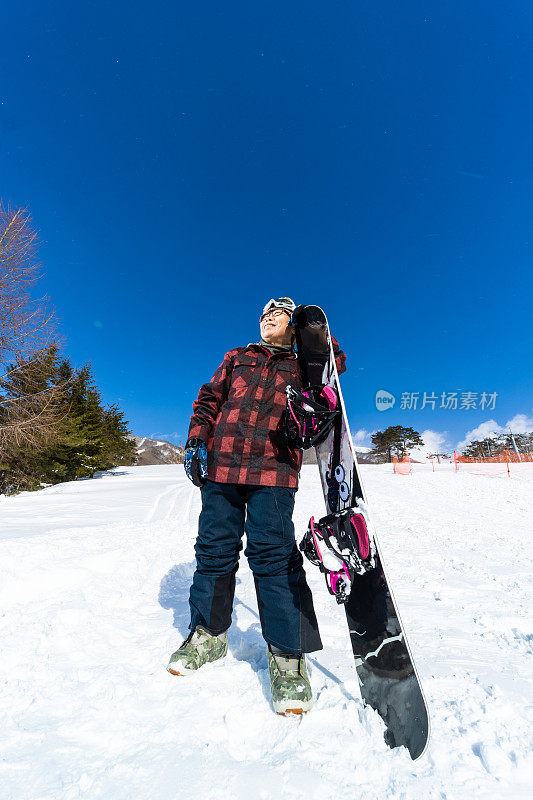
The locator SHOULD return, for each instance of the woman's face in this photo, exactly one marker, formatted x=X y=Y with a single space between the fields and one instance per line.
x=275 y=328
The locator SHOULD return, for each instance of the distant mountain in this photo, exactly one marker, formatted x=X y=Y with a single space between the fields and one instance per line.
x=155 y=451
x=365 y=455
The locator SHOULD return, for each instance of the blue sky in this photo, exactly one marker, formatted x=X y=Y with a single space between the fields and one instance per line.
x=186 y=162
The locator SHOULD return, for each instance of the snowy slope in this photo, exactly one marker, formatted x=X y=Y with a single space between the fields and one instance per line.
x=94 y=580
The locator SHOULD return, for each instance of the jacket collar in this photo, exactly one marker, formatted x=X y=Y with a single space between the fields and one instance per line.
x=280 y=355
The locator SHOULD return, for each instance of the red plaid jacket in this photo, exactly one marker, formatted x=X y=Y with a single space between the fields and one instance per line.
x=238 y=414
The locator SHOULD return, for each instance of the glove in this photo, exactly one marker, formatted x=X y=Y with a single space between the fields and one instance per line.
x=196 y=461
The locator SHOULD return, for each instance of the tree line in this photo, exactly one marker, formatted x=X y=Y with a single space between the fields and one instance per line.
x=495 y=445
x=398 y=440
x=53 y=424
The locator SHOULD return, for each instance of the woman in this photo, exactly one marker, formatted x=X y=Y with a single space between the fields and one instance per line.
x=248 y=478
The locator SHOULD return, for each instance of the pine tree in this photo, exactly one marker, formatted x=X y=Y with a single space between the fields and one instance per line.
x=81 y=436
x=77 y=454
x=118 y=448
x=92 y=438
x=485 y=448
x=30 y=414
x=474 y=450
x=382 y=444
x=397 y=438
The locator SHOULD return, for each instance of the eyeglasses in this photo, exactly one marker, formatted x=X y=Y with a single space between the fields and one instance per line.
x=276 y=313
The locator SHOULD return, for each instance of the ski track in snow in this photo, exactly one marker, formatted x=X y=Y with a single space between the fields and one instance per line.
x=94 y=581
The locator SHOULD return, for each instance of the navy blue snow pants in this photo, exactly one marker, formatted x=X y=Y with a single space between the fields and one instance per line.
x=284 y=599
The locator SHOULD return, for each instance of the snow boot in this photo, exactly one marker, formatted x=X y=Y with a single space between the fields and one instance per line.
x=291 y=690
x=199 y=648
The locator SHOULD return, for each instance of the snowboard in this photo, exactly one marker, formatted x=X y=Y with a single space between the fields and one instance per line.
x=386 y=672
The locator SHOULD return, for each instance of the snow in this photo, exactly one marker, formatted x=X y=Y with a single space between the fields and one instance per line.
x=94 y=579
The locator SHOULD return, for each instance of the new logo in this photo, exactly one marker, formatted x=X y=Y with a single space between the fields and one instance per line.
x=384 y=400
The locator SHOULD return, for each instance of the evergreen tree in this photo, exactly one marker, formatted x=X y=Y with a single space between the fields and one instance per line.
x=474 y=450
x=30 y=402
x=86 y=437
x=382 y=444
x=396 y=438
x=66 y=456
x=84 y=448
x=117 y=448
x=524 y=442
x=485 y=448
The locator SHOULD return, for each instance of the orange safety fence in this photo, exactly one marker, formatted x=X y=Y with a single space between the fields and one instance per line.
x=402 y=467
x=506 y=457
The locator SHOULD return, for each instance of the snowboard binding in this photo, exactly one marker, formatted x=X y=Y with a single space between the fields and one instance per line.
x=310 y=415
x=340 y=546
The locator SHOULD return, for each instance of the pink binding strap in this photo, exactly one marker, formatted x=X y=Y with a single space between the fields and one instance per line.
x=293 y=415
x=312 y=526
x=331 y=398
x=359 y=524
x=334 y=577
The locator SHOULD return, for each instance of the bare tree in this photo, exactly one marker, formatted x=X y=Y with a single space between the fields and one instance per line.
x=26 y=324
x=30 y=399
x=31 y=402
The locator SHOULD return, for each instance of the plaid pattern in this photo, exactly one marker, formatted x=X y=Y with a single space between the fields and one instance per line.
x=239 y=414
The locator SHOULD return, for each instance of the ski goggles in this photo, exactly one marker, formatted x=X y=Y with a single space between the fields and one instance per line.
x=283 y=303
